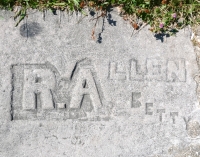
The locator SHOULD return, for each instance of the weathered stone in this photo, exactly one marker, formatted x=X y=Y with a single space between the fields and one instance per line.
x=198 y=31
x=193 y=129
x=64 y=94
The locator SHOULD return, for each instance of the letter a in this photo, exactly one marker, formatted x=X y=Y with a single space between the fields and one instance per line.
x=84 y=87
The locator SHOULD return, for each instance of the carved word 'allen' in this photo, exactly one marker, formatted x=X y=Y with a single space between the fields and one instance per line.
x=172 y=70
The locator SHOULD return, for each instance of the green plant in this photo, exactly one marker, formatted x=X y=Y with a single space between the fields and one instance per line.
x=164 y=16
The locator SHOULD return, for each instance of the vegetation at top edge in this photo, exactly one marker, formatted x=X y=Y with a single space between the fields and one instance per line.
x=164 y=16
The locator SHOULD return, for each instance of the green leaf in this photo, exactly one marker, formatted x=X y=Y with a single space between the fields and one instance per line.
x=59 y=4
x=76 y=2
x=105 y=3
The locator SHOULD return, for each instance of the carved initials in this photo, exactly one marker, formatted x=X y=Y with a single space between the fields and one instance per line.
x=36 y=92
x=38 y=87
x=84 y=88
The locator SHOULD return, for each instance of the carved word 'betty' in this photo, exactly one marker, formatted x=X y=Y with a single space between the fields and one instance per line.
x=148 y=107
x=171 y=70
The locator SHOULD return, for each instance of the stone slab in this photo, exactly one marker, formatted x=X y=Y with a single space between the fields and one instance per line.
x=65 y=94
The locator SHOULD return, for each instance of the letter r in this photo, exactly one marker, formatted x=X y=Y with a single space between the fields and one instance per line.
x=38 y=86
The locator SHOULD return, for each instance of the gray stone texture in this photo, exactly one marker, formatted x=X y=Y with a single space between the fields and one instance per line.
x=65 y=94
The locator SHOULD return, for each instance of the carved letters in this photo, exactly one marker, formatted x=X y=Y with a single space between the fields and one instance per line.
x=149 y=108
x=84 y=90
x=135 y=102
x=38 y=87
x=171 y=70
x=38 y=93
x=176 y=70
x=115 y=74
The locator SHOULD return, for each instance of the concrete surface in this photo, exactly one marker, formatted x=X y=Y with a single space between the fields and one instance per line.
x=64 y=94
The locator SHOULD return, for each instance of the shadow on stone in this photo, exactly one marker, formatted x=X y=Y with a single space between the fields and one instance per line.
x=109 y=18
x=54 y=11
x=160 y=36
x=92 y=13
x=110 y=21
x=30 y=29
x=99 y=40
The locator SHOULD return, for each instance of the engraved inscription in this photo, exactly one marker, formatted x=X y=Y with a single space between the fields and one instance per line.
x=115 y=74
x=149 y=108
x=39 y=92
x=176 y=70
x=61 y=105
x=86 y=103
x=135 y=102
x=137 y=71
x=160 y=111
x=38 y=87
x=171 y=70
x=156 y=70
x=83 y=88
x=173 y=115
